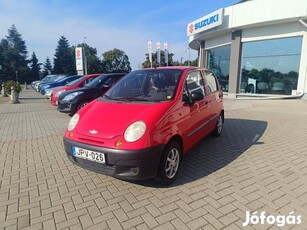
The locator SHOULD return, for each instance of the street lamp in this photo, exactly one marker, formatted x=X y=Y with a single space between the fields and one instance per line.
x=84 y=57
x=16 y=72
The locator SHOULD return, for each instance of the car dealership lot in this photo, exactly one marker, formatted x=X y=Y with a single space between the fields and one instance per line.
x=258 y=164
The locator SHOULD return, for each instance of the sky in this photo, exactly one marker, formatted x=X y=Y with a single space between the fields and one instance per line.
x=106 y=24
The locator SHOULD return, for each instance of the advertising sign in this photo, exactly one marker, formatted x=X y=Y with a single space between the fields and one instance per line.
x=79 y=58
x=149 y=47
x=158 y=53
x=205 y=23
x=166 y=53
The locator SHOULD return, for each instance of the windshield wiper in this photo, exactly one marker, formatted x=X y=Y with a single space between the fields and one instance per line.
x=130 y=99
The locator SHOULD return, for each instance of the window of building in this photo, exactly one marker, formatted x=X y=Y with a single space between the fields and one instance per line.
x=270 y=66
x=218 y=60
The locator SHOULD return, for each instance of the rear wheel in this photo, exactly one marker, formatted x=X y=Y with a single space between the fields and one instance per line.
x=169 y=164
x=219 y=127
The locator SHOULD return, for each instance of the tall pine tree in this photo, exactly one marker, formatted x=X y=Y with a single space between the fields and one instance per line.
x=47 y=67
x=35 y=67
x=64 y=58
x=14 y=56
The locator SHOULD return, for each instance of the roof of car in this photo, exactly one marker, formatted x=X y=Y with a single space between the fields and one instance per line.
x=178 y=67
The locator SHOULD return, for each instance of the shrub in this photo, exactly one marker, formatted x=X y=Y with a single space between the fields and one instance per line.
x=11 y=83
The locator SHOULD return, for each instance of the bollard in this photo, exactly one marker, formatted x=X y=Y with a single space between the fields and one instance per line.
x=14 y=98
x=26 y=87
x=3 y=91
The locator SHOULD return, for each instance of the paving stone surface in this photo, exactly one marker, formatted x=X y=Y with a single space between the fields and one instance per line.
x=258 y=164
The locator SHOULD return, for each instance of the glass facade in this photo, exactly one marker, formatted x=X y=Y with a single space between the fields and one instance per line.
x=218 y=60
x=270 y=66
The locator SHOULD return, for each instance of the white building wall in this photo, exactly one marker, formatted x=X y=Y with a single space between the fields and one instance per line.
x=218 y=41
x=265 y=11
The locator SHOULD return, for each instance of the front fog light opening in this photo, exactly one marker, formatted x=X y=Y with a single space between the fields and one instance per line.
x=130 y=172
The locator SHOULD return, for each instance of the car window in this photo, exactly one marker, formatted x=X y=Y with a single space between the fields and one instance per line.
x=211 y=81
x=194 y=83
x=76 y=81
x=147 y=85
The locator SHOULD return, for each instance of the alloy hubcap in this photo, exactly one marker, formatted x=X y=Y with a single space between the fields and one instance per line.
x=220 y=124
x=172 y=163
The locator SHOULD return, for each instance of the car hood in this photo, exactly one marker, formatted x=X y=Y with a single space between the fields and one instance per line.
x=110 y=119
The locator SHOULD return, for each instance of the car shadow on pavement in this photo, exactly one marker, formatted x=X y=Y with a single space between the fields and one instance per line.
x=211 y=154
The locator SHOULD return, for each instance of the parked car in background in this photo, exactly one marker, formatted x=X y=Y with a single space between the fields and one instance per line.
x=71 y=101
x=35 y=84
x=59 y=82
x=48 y=79
x=78 y=83
x=143 y=126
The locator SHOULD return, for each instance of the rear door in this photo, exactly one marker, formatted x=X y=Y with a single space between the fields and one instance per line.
x=214 y=96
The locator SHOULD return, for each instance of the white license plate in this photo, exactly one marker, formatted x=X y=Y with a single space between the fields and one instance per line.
x=88 y=155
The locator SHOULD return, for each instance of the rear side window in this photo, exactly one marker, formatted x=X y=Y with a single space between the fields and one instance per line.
x=211 y=81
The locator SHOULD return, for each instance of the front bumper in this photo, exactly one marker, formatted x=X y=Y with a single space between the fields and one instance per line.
x=123 y=164
x=67 y=107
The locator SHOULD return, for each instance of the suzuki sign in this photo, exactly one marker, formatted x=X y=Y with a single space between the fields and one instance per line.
x=205 y=23
x=79 y=58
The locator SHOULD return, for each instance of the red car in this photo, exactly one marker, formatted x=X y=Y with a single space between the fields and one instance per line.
x=144 y=125
x=78 y=83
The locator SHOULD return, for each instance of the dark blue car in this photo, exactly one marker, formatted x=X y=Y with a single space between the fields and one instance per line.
x=59 y=82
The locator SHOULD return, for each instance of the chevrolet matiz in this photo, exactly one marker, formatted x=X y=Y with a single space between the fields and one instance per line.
x=143 y=126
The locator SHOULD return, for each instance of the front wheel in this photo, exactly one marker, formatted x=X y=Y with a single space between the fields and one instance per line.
x=82 y=104
x=169 y=164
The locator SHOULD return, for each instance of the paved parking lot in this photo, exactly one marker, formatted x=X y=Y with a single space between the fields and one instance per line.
x=258 y=164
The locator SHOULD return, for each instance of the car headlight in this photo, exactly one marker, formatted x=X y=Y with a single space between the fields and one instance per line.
x=73 y=122
x=71 y=96
x=48 y=92
x=135 y=131
x=59 y=92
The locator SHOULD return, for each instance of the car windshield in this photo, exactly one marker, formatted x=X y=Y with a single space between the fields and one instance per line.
x=146 y=85
x=74 y=82
x=99 y=81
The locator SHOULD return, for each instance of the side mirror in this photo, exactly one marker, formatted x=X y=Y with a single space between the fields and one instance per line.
x=221 y=94
x=196 y=96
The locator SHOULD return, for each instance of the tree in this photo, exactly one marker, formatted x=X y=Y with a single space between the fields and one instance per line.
x=35 y=67
x=47 y=67
x=115 y=61
x=64 y=58
x=147 y=64
x=14 y=56
x=92 y=61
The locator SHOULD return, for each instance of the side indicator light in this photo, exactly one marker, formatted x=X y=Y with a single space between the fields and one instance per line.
x=118 y=143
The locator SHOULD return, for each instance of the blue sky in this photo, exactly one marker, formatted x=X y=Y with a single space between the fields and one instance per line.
x=126 y=25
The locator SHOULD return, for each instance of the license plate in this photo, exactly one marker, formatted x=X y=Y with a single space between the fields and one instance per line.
x=56 y=102
x=88 y=155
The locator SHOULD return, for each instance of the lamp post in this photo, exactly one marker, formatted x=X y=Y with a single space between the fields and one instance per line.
x=16 y=72
x=84 y=57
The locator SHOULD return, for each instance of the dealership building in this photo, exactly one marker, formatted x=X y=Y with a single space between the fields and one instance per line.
x=255 y=47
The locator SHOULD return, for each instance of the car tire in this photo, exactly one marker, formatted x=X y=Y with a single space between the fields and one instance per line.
x=169 y=164
x=218 y=127
x=82 y=104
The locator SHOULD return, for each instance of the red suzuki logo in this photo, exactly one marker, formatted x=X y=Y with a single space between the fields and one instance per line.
x=191 y=28
x=78 y=53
